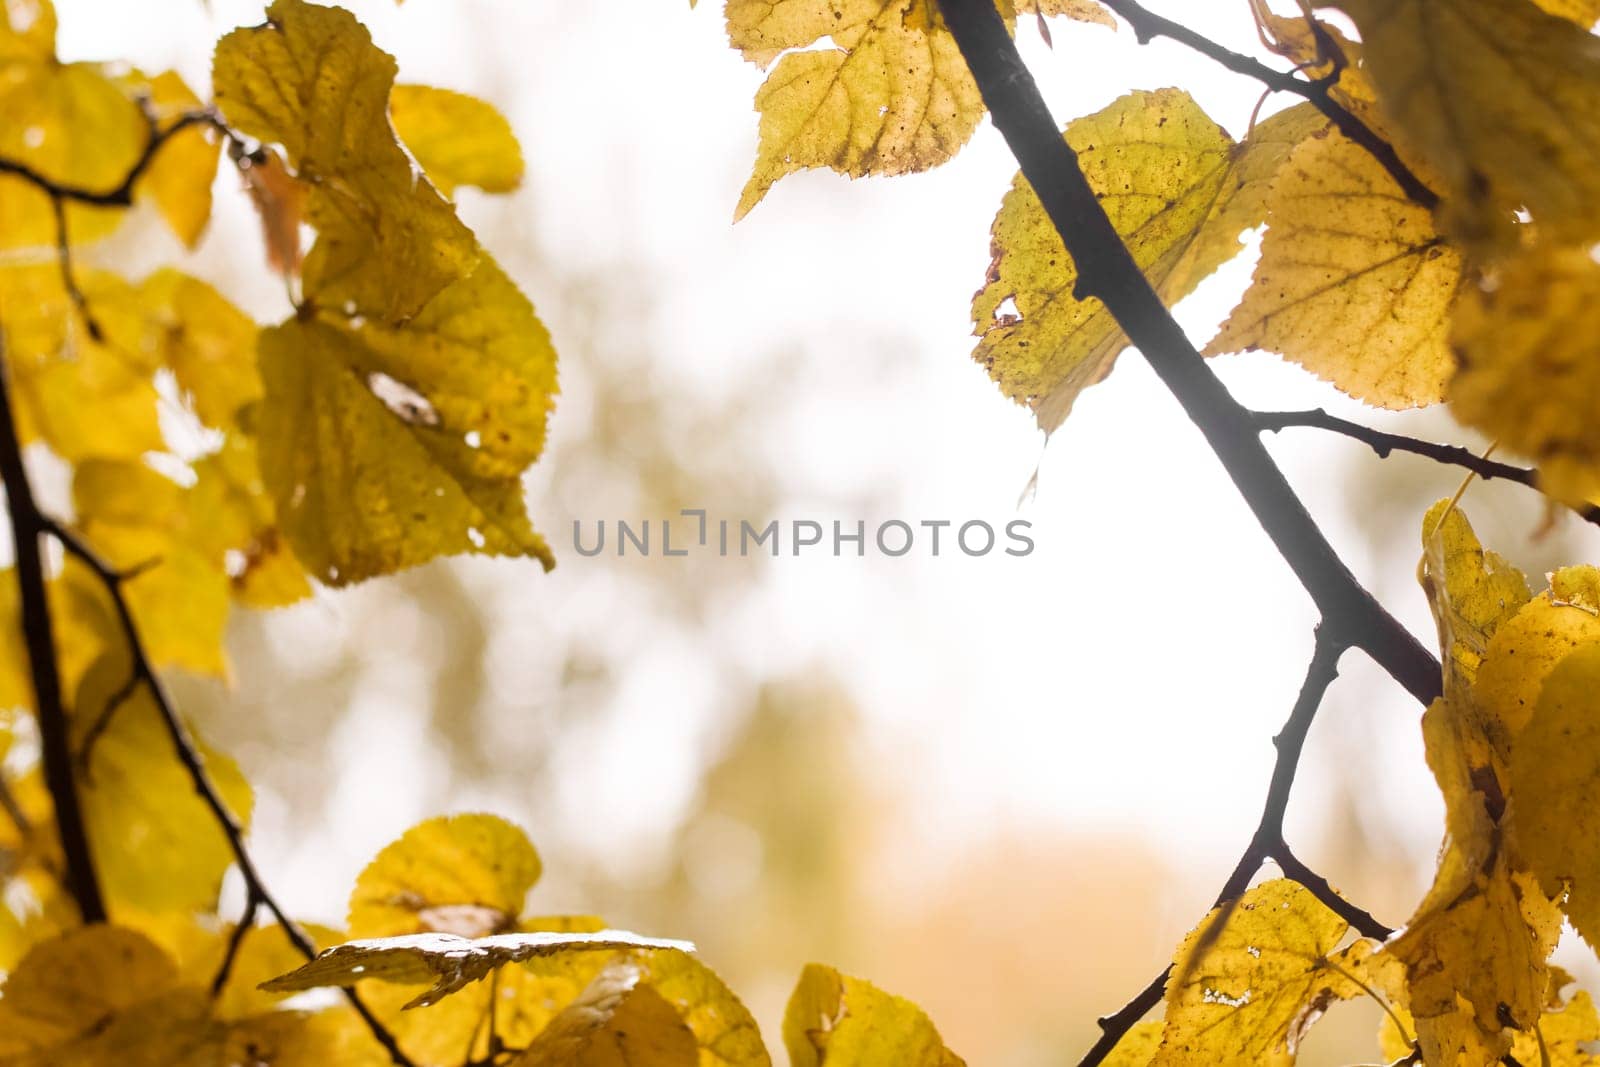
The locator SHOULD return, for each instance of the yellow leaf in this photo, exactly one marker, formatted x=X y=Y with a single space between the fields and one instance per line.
x=1259 y=982
x=724 y=1028
x=1501 y=99
x=1354 y=283
x=1169 y=180
x=181 y=173
x=617 y=1022
x=74 y=985
x=1472 y=592
x=311 y=80
x=891 y=96
x=385 y=447
x=445 y=962
x=1584 y=12
x=208 y=343
x=458 y=139
x=136 y=520
x=156 y=844
x=231 y=511
x=1568 y=1036
x=464 y=874
x=1078 y=10
x=80 y=396
x=1137 y=1047
x=69 y=123
x=1527 y=648
x=280 y=202
x=27 y=30
x=1528 y=373
x=837 y=1021
x=1555 y=788
x=264 y=953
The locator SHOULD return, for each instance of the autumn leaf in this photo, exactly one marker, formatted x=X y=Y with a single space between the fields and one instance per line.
x=179 y=176
x=385 y=446
x=1178 y=190
x=722 y=1026
x=1501 y=99
x=456 y=138
x=445 y=962
x=69 y=122
x=207 y=343
x=1256 y=984
x=467 y=875
x=834 y=1020
x=1354 y=282
x=616 y=1022
x=1555 y=785
x=1472 y=592
x=311 y=80
x=80 y=395
x=1568 y=1036
x=156 y=844
x=1527 y=373
x=1529 y=645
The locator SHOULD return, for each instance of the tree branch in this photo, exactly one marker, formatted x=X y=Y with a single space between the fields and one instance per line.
x=1385 y=443
x=188 y=754
x=1266 y=843
x=1147 y=25
x=1107 y=271
x=38 y=633
x=120 y=195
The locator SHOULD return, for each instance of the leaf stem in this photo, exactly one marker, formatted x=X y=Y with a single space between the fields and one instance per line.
x=1147 y=25
x=28 y=525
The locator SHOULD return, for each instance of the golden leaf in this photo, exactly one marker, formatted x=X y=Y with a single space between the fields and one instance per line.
x=1256 y=984
x=616 y=1022
x=892 y=95
x=1501 y=99
x=837 y=1021
x=1528 y=373
x=385 y=446
x=1178 y=191
x=1354 y=283
x=457 y=139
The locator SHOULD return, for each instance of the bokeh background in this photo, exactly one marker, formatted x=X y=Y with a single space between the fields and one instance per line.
x=1003 y=787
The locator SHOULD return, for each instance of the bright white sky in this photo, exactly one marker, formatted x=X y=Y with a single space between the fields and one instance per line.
x=1128 y=674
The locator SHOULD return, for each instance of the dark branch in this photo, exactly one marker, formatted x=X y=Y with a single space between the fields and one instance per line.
x=1107 y=271
x=1147 y=25
x=120 y=195
x=188 y=754
x=252 y=904
x=1266 y=843
x=1385 y=443
x=38 y=632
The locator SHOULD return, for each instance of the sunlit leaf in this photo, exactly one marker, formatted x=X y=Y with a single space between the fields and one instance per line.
x=458 y=139
x=834 y=1020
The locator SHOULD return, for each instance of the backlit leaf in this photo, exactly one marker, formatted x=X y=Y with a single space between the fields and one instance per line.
x=458 y=139
x=1354 y=283
x=1257 y=983
x=1528 y=373
x=385 y=446
x=891 y=95
x=617 y=1022
x=311 y=80
x=1162 y=169
x=1502 y=99
x=834 y=1020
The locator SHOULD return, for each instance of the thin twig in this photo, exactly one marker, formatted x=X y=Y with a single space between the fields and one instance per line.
x=1386 y=443
x=188 y=754
x=69 y=279
x=13 y=809
x=86 y=747
x=1107 y=271
x=1147 y=25
x=247 y=921
x=38 y=632
x=1266 y=843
